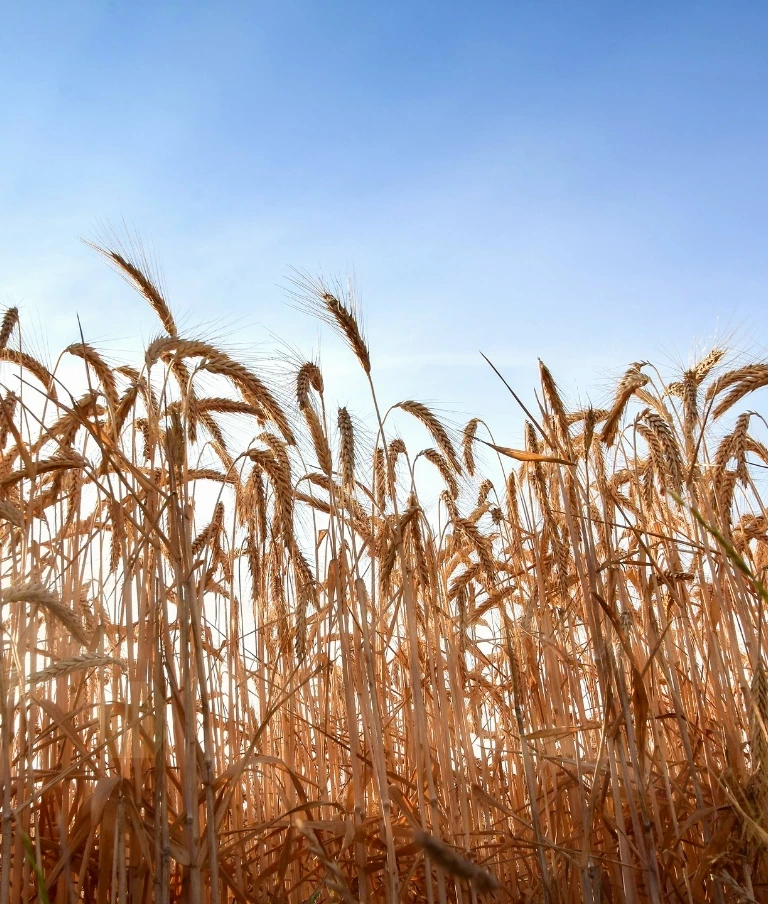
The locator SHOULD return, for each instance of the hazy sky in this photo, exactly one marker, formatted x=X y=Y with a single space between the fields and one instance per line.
x=581 y=181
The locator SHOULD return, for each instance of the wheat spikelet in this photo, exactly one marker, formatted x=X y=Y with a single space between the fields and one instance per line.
x=308 y=377
x=467 y=441
x=595 y=414
x=346 y=447
x=75 y=664
x=485 y=488
x=669 y=462
x=687 y=390
x=209 y=533
x=446 y=472
x=479 y=542
x=632 y=380
x=707 y=364
x=223 y=405
x=347 y=323
x=36 y=593
x=7 y=413
x=100 y=368
x=139 y=280
x=169 y=348
x=733 y=446
x=417 y=542
x=219 y=443
x=552 y=395
x=315 y=296
x=319 y=439
x=395 y=449
x=726 y=380
x=174 y=442
x=253 y=390
x=125 y=405
x=277 y=468
x=435 y=428
x=16 y=356
x=380 y=477
x=8 y=325
x=750 y=379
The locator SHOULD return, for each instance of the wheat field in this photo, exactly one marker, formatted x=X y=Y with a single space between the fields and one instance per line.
x=246 y=656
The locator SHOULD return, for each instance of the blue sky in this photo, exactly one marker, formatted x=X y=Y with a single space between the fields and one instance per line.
x=584 y=182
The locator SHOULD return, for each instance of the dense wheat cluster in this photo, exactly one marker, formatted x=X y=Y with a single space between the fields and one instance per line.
x=244 y=660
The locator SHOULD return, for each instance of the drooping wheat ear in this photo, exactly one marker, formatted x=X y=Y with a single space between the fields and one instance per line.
x=319 y=439
x=280 y=479
x=15 y=356
x=664 y=447
x=726 y=380
x=308 y=377
x=277 y=447
x=455 y=864
x=438 y=432
x=139 y=280
x=552 y=395
x=253 y=391
x=346 y=448
x=485 y=488
x=395 y=449
x=217 y=437
x=446 y=472
x=7 y=414
x=100 y=368
x=223 y=405
x=8 y=325
x=632 y=380
x=450 y=505
x=75 y=664
x=169 y=347
x=33 y=592
x=467 y=440
x=305 y=579
x=744 y=381
x=758 y=740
